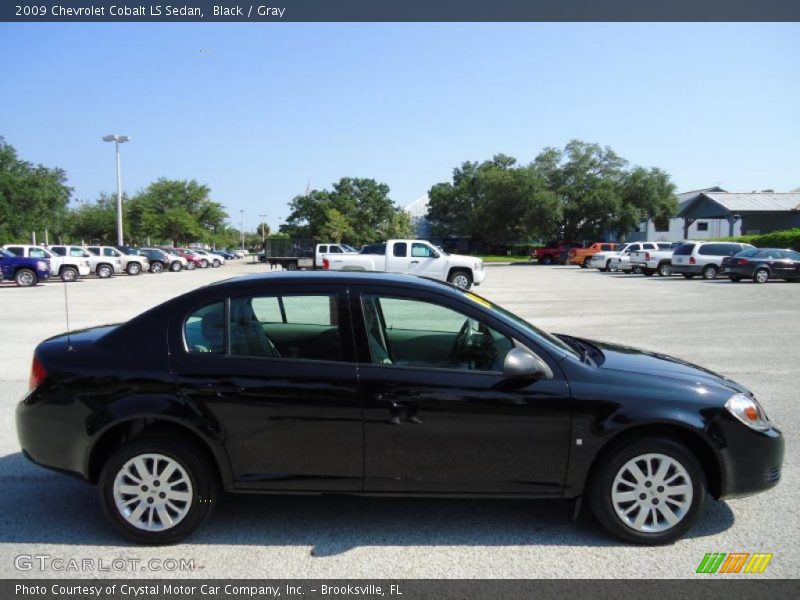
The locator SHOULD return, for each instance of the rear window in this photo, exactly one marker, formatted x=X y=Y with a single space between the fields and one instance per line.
x=606 y=247
x=664 y=245
x=746 y=253
x=719 y=249
x=58 y=251
x=684 y=250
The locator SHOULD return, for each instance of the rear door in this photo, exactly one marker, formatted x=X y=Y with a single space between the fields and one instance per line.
x=276 y=370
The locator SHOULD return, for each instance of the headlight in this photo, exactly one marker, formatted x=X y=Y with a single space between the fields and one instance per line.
x=748 y=411
x=42 y=265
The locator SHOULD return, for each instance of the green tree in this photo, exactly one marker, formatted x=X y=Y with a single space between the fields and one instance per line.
x=32 y=197
x=94 y=222
x=398 y=226
x=336 y=227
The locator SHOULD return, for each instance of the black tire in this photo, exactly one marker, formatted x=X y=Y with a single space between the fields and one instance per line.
x=290 y=266
x=175 y=266
x=710 y=272
x=664 y=269
x=133 y=268
x=611 y=463
x=636 y=270
x=735 y=278
x=156 y=266
x=69 y=274
x=216 y=264
x=761 y=275
x=191 y=265
x=582 y=264
x=547 y=260
x=104 y=271
x=648 y=272
x=25 y=278
x=204 y=493
x=203 y=263
x=688 y=275
x=461 y=278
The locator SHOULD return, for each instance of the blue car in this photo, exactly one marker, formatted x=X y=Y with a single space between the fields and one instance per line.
x=24 y=271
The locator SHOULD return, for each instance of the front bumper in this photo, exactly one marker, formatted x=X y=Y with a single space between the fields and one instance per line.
x=751 y=460
x=478 y=277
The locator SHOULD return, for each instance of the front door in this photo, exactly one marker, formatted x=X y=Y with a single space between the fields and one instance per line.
x=426 y=261
x=440 y=417
x=277 y=374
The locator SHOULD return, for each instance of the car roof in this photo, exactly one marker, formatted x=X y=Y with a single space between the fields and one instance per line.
x=338 y=277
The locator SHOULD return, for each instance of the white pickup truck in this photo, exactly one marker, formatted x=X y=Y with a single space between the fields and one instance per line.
x=416 y=257
x=655 y=261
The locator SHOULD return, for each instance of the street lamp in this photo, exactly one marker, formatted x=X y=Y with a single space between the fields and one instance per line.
x=242 y=229
x=118 y=139
x=263 y=234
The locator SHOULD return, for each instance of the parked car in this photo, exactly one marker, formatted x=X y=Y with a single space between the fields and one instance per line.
x=195 y=259
x=555 y=252
x=78 y=253
x=318 y=382
x=132 y=264
x=214 y=260
x=226 y=254
x=763 y=264
x=704 y=258
x=25 y=272
x=579 y=256
x=159 y=260
x=321 y=249
x=416 y=257
x=68 y=268
x=603 y=260
x=177 y=262
x=649 y=261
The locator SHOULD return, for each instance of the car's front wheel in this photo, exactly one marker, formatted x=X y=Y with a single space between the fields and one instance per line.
x=460 y=279
x=191 y=265
x=104 y=271
x=688 y=275
x=69 y=274
x=157 y=490
x=649 y=491
x=216 y=264
x=547 y=260
x=203 y=263
x=156 y=267
x=25 y=278
x=175 y=266
x=133 y=268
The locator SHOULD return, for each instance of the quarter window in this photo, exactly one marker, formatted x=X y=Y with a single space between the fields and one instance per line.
x=400 y=249
x=415 y=333
x=204 y=329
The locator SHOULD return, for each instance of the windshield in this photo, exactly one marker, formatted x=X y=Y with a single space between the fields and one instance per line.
x=546 y=339
x=6 y=253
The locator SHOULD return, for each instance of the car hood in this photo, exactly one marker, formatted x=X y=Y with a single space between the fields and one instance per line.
x=470 y=260
x=634 y=360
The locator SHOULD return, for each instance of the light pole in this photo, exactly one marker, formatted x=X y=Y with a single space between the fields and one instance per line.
x=118 y=139
x=263 y=233
x=242 y=229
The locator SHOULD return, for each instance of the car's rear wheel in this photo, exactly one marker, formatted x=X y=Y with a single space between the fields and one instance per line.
x=156 y=267
x=710 y=272
x=761 y=275
x=133 y=268
x=547 y=260
x=104 y=271
x=157 y=490
x=69 y=274
x=665 y=269
x=649 y=491
x=175 y=266
x=25 y=278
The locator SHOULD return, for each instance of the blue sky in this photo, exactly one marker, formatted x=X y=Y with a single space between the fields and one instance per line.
x=256 y=110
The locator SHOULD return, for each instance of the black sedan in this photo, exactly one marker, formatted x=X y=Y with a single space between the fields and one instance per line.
x=762 y=264
x=379 y=384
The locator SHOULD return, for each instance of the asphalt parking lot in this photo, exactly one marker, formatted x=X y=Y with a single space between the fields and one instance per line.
x=746 y=331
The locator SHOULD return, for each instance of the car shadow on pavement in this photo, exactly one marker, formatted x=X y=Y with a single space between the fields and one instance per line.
x=41 y=507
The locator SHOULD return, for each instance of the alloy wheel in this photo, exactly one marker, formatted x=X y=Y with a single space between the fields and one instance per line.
x=461 y=281
x=153 y=492
x=652 y=493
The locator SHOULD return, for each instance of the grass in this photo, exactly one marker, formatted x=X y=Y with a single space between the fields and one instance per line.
x=505 y=258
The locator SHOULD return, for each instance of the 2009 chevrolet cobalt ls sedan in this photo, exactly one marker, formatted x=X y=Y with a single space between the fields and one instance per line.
x=382 y=385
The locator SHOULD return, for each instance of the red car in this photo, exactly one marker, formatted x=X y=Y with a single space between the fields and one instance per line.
x=193 y=260
x=554 y=252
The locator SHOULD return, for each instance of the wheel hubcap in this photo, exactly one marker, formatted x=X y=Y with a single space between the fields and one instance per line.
x=26 y=279
x=762 y=276
x=652 y=493
x=461 y=281
x=153 y=492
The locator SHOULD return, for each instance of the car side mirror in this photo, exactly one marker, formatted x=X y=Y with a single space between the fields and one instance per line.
x=435 y=254
x=522 y=364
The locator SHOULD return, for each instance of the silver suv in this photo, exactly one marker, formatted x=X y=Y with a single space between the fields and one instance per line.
x=704 y=258
x=132 y=265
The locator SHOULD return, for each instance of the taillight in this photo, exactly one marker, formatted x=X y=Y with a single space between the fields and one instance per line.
x=741 y=261
x=38 y=374
x=692 y=261
x=326 y=264
x=646 y=256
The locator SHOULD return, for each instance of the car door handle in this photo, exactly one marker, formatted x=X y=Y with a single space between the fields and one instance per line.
x=414 y=262
x=221 y=388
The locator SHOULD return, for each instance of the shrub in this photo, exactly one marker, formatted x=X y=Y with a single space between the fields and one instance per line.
x=788 y=238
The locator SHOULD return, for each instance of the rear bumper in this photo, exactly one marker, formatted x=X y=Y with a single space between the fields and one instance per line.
x=741 y=271
x=691 y=269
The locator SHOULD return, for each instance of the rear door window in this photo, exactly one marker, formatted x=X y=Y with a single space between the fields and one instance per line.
x=400 y=250
x=684 y=250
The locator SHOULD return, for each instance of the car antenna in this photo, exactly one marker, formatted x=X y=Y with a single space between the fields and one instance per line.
x=66 y=313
